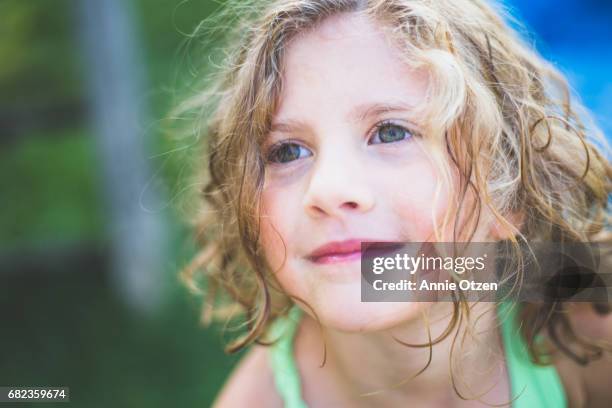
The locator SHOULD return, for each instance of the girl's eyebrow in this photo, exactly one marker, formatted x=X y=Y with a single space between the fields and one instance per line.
x=358 y=113
x=369 y=110
x=289 y=125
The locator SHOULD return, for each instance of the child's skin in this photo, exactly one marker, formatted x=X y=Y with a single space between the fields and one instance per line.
x=338 y=182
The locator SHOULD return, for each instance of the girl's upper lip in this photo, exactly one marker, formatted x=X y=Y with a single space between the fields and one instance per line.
x=341 y=247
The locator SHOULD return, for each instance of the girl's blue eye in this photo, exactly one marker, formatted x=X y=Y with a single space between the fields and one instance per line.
x=389 y=133
x=287 y=152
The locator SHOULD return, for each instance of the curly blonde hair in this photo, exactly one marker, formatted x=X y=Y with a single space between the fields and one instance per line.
x=517 y=137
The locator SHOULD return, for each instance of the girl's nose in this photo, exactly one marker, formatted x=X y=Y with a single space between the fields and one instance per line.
x=338 y=187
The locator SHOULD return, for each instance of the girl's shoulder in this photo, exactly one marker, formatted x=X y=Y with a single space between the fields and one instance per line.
x=251 y=383
x=588 y=385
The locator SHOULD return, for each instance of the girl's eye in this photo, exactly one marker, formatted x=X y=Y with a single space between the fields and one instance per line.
x=287 y=152
x=389 y=133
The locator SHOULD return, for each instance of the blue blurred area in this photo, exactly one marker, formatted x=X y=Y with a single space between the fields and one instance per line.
x=576 y=36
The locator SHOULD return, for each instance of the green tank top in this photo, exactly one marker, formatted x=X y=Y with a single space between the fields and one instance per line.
x=535 y=386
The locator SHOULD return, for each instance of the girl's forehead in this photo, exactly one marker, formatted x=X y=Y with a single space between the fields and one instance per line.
x=346 y=63
x=340 y=30
x=343 y=25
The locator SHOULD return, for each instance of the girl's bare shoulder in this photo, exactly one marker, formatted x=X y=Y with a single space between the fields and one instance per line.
x=251 y=383
x=589 y=384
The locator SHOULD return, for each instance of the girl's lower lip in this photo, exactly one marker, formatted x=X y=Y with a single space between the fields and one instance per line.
x=336 y=258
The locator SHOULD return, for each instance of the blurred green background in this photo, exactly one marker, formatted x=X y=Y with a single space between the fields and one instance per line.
x=68 y=317
x=92 y=227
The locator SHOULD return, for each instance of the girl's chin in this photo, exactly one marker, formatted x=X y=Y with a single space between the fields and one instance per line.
x=362 y=317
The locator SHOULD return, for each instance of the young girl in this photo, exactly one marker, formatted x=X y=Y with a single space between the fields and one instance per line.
x=337 y=122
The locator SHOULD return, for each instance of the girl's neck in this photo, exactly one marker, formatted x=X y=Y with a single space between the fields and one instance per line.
x=363 y=363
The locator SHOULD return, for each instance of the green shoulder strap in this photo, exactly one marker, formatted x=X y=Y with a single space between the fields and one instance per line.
x=532 y=385
x=286 y=375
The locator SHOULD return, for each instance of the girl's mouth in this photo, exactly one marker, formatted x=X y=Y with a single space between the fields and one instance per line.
x=351 y=250
x=340 y=251
x=337 y=251
x=337 y=257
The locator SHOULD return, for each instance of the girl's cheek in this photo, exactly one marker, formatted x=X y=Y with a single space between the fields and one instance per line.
x=414 y=202
x=277 y=214
x=269 y=232
x=276 y=239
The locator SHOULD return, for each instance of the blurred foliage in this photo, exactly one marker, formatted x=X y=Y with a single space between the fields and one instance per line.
x=62 y=322
x=56 y=196
x=37 y=50
x=106 y=355
x=46 y=138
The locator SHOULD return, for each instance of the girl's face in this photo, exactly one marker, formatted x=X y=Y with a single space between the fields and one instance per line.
x=345 y=165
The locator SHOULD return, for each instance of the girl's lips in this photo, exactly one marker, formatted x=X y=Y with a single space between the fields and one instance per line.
x=340 y=251
x=350 y=250
x=337 y=257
